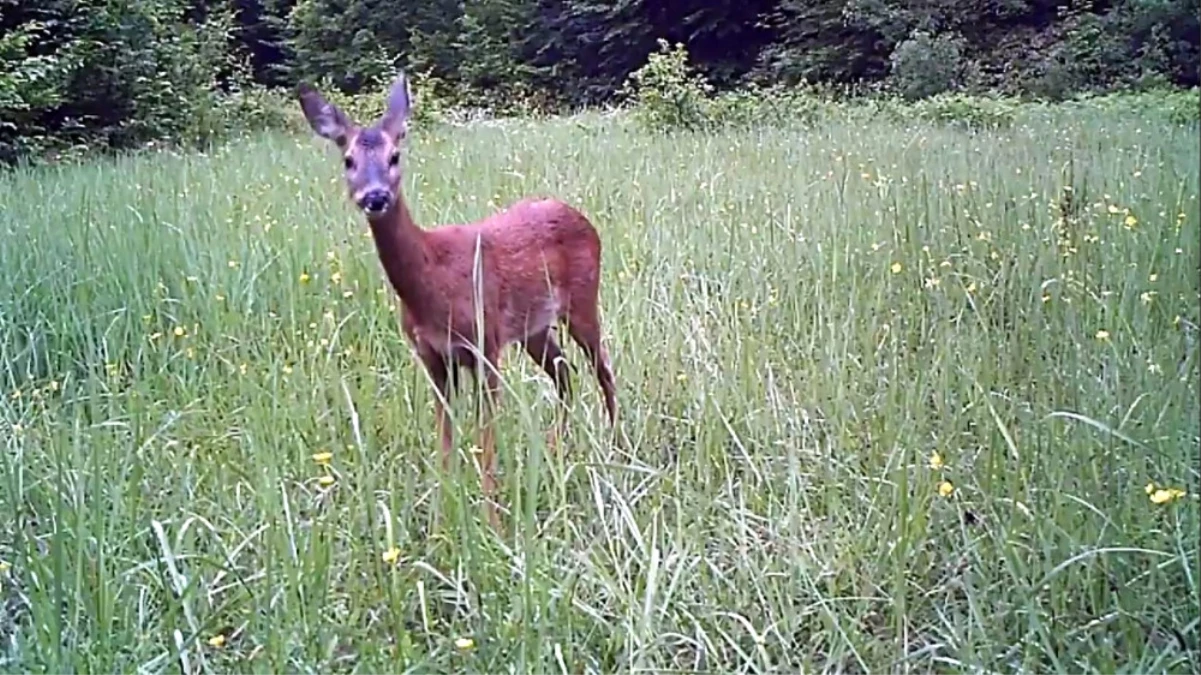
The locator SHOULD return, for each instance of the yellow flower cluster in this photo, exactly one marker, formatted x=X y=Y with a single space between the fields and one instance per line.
x=323 y=460
x=1163 y=495
x=945 y=487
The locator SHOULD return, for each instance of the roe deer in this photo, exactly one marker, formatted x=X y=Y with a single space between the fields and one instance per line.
x=539 y=261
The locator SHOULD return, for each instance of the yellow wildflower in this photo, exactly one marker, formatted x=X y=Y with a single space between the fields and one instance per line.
x=323 y=457
x=179 y=331
x=304 y=277
x=1131 y=221
x=464 y=643
x=217 y=641
x=936 y=460
x=945 y=489
x=896 y=268
x=1165 y=495
x=1102 y=335
x=326 y=480
x=391 y=555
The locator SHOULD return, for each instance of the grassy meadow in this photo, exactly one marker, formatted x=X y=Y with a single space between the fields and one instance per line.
x=894 y=397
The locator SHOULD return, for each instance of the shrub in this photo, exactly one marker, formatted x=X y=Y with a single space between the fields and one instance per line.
x=926 y=64
x=776 y=105
x=1175 y=106
x=118 y=75
x=30 y=85
x=957 y=109
x=974 y=112
x=369 y=105
x=666 y=93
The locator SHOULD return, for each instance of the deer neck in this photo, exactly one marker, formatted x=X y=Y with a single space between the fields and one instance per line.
x=402 y=250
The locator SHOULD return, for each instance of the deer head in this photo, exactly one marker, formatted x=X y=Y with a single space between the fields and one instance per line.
x=371 y=155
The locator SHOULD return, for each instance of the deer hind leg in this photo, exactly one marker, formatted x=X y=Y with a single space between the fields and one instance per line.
x=545 y=351
x=584 y=326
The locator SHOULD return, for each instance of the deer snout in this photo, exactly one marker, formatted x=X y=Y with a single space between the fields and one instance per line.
x=375 y=201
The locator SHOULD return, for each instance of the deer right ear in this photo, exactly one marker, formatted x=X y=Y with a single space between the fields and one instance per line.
x=396 y=119
x=324 y=117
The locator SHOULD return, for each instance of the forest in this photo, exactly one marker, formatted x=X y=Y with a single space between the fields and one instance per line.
x=120 y=73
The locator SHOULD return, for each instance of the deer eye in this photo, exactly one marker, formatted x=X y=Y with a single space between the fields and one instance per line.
x=394 y=159
x=348 y=162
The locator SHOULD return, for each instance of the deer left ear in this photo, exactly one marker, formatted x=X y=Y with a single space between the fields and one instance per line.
x=396 y=119
x=324 y=117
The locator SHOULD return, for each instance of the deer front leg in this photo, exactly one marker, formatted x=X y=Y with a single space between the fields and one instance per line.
x=437 y=367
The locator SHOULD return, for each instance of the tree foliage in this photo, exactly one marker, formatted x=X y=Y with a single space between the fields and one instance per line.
x=121 y=72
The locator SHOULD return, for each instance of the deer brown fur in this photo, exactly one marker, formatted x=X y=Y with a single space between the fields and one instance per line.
x=532 y=266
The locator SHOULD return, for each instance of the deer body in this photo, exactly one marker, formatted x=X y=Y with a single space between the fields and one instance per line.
x=528 y=268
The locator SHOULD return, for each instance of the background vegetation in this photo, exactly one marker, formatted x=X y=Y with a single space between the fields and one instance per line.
x=119 y=73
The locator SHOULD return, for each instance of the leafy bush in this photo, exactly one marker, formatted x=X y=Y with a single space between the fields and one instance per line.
x=776 y=105
x=1175 y=106
x=368 y=105
x=120 y=74
x=926 y=64
x=975 y=112
x=957 y=109
x=30 y=85
x=666 y=93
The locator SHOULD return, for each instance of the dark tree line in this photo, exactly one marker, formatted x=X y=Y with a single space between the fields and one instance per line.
x=120 y=72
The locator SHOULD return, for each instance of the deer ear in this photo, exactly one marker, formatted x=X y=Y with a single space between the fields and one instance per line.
x=324 y=117
x=396 y=119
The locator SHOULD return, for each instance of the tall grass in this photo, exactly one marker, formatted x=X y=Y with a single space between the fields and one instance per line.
x=891 y=396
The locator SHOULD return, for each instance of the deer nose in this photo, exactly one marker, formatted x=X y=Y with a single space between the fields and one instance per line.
x=375 y=201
